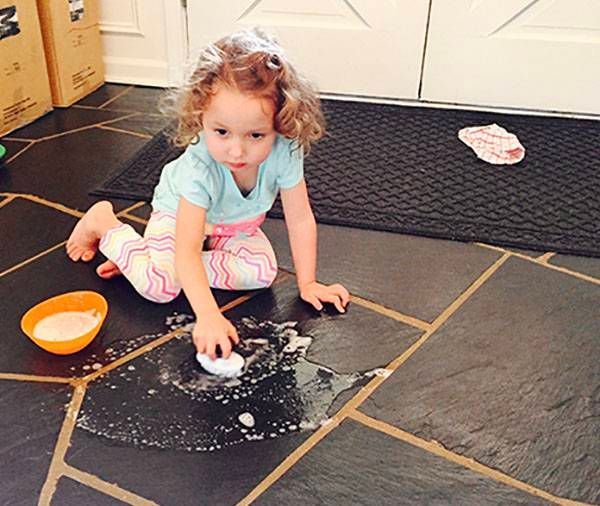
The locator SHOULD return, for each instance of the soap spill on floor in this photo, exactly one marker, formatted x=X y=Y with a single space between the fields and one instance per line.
x=164 y=399
x=121 y=347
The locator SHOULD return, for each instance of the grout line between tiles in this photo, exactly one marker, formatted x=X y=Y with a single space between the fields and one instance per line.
x=123 y=131
x=290 y=460
x=48 y=203
x=118 y=95
x=155 y=344
x=105 y=487
x=31 y=259
x=62 y=445
x=87 y=127
x=131 y=207
x=17 y=139
x=378 y=308
x=133 y=217
x=32 y=377
x=31 y=143
x=238 y=301
x=7 y=200
x=58 y=207
x=575 y=274
x=545 y=257
x=461 y=299
x=492 y=247
x=369 y=388
x=131 y=356
x=544 y=263
x=88 y=107
x=439 y=450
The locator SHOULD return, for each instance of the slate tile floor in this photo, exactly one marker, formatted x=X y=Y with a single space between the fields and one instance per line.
x=488 y=388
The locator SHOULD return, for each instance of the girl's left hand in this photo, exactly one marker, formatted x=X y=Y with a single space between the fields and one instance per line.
x=315 y=293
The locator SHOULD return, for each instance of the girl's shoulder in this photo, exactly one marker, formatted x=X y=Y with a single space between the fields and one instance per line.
x=286 y=162
x=193 y=165
x=285 y=150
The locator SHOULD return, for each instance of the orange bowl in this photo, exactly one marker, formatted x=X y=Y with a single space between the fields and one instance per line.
x=71 y=301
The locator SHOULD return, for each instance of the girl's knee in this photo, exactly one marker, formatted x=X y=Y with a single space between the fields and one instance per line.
x=268 y=277
x=261 y=275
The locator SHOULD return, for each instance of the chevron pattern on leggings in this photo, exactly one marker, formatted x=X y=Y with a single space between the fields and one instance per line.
x=240 y=262
x=147 y=262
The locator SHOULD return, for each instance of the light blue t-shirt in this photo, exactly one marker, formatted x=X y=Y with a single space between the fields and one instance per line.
x=196 y=176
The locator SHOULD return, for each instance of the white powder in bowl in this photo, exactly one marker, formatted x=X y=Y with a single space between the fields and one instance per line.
x=66 y=325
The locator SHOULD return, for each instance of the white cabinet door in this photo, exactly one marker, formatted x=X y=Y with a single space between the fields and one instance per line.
x=357 y=47
x=144 y=41
x=538 y=54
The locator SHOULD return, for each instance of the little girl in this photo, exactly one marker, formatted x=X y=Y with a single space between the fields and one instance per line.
x=246 y=117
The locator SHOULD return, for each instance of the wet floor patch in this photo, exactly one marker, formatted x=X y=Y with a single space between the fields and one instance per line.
x=164 y=399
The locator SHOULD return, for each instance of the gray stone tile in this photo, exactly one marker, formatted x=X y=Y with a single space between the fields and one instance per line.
x=72 y=493
x=142 y=212
x=584 y=265
x=511 y=380
x=30 y=228
x=32 y=415
x=63 y=120
x=102 y=95
x=144 y=123
x=159 y=415
x=416 y=276
x=359 y=339
x=527 y=252
x=139 y=99
x=66 y=168
x=357 y=465
x=12 y=148
x=177 y=477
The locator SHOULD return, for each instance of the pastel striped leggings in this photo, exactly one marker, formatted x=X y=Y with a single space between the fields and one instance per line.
x=243 y=261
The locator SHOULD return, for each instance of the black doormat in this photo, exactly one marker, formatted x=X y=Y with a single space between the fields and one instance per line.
x=403 y=169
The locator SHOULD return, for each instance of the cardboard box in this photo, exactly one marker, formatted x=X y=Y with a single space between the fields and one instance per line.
x=24 y=87
x=71 y=33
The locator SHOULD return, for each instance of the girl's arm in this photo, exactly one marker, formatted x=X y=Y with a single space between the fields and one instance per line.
x=302 y=233
x=211 y=328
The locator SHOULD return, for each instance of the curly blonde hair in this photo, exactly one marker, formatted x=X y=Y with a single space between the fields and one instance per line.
x=252 y=62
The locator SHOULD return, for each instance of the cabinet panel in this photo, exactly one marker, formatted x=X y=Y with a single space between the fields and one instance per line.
x=356 y=47
x=538 y=54
x=143 y=41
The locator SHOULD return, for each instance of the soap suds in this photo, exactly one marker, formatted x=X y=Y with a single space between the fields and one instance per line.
x=121 y=347
x=167 y=401
x=65 y=325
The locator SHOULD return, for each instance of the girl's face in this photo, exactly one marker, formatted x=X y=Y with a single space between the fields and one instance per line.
x=239 y=129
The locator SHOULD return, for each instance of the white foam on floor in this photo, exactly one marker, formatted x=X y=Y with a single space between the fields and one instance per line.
x=278 y=393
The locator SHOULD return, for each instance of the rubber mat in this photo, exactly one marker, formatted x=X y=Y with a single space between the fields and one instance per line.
x=403 y=169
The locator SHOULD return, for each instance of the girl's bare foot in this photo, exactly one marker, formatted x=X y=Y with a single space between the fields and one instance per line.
x=83 y=241
x=107 y=270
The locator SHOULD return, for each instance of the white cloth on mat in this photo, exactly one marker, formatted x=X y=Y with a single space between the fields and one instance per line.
x=493 y=144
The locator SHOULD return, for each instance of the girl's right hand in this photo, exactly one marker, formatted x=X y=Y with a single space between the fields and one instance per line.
x=211 y=330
